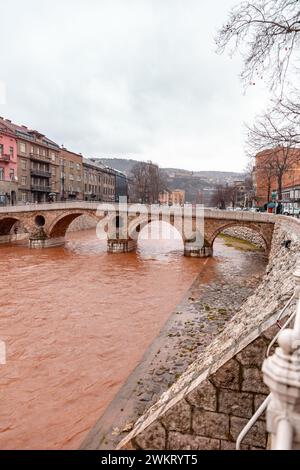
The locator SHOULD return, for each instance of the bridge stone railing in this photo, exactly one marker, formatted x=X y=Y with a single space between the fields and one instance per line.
x=58 y=216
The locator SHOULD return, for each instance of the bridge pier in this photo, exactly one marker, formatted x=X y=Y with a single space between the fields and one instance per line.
x=46 y=243
x=193 y=251
x=121 y=246
x=39 y=239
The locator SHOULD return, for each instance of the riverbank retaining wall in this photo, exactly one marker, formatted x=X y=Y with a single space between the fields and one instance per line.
x=244 y=233
x=213 y=400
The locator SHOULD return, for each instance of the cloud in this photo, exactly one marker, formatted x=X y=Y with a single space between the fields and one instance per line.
x=136 y=78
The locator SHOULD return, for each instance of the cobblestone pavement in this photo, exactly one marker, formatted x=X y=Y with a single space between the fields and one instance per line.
x=221 y=287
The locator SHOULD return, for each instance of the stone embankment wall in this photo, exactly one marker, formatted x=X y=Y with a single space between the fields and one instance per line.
x=213 y=400
x=244 y=233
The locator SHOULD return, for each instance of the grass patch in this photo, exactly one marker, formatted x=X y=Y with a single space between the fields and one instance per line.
x=239 y=243
x=222 y=311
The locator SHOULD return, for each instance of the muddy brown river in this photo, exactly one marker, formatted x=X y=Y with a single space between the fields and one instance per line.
x=76 y=321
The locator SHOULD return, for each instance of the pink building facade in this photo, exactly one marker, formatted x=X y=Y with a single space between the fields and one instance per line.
x=8 y=168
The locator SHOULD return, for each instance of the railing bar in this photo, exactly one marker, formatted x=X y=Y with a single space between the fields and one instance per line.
x=285 y=307
x=282 y=328
x=252 y=421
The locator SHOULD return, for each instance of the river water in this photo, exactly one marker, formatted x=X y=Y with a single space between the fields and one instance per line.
x=76 y=321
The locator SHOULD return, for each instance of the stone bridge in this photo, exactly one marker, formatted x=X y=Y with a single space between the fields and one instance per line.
x=47 y=224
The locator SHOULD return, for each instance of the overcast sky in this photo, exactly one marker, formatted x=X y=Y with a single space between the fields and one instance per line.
x=127 y=78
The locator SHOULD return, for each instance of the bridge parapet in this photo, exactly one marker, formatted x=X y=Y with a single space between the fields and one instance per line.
x=57 y=217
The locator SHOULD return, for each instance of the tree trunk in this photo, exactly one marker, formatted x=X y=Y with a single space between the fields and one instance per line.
x=279 y=182
x=269 y=190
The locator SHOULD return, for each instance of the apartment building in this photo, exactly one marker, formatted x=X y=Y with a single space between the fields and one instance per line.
x=172 y=198
x=37 y=163
x=71 y=176
x=98 y=181
x=8 y=168
x=265 y=175
x=34 y=169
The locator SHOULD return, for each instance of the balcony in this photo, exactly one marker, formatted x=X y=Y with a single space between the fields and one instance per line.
x=41 y=189
x=41 y=173
x=39 y=158
x=5 y=157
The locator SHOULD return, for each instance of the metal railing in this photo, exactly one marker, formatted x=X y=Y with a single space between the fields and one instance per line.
x=281 y=370
x=4 y=157
x=252 y=421
x=42 y=173
x=40 y=158
x=44 y=189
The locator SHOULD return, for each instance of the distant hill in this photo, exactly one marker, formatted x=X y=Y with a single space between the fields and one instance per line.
x=196 y=184
x=125 y=165
x=121 y=164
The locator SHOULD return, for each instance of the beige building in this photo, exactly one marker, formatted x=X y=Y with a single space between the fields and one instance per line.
x=172 y=198
x=99 y=181
x=71 y=175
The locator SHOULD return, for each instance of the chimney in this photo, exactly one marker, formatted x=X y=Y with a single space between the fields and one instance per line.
x=8 y=120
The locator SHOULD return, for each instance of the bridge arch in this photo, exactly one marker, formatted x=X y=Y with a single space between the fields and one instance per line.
x=136 y=225
x=60 y=225
x=239 y=224
x=7 y=224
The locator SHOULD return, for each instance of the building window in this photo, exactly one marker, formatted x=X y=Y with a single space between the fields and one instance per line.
x=12 y=174
x=24 y=180
x=1 y=149
x=23 y=196
x=1 y=174
x=11 y=151
x=24 y=164
x=22 y=147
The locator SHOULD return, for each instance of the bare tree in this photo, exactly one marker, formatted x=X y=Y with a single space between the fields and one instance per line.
x=276 y=144
x=288 y=110
x=267 y=33
x=147 y=182
x=265 y=171
x=221 y=196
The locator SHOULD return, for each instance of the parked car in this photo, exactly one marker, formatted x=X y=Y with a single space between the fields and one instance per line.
x=290 y=210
